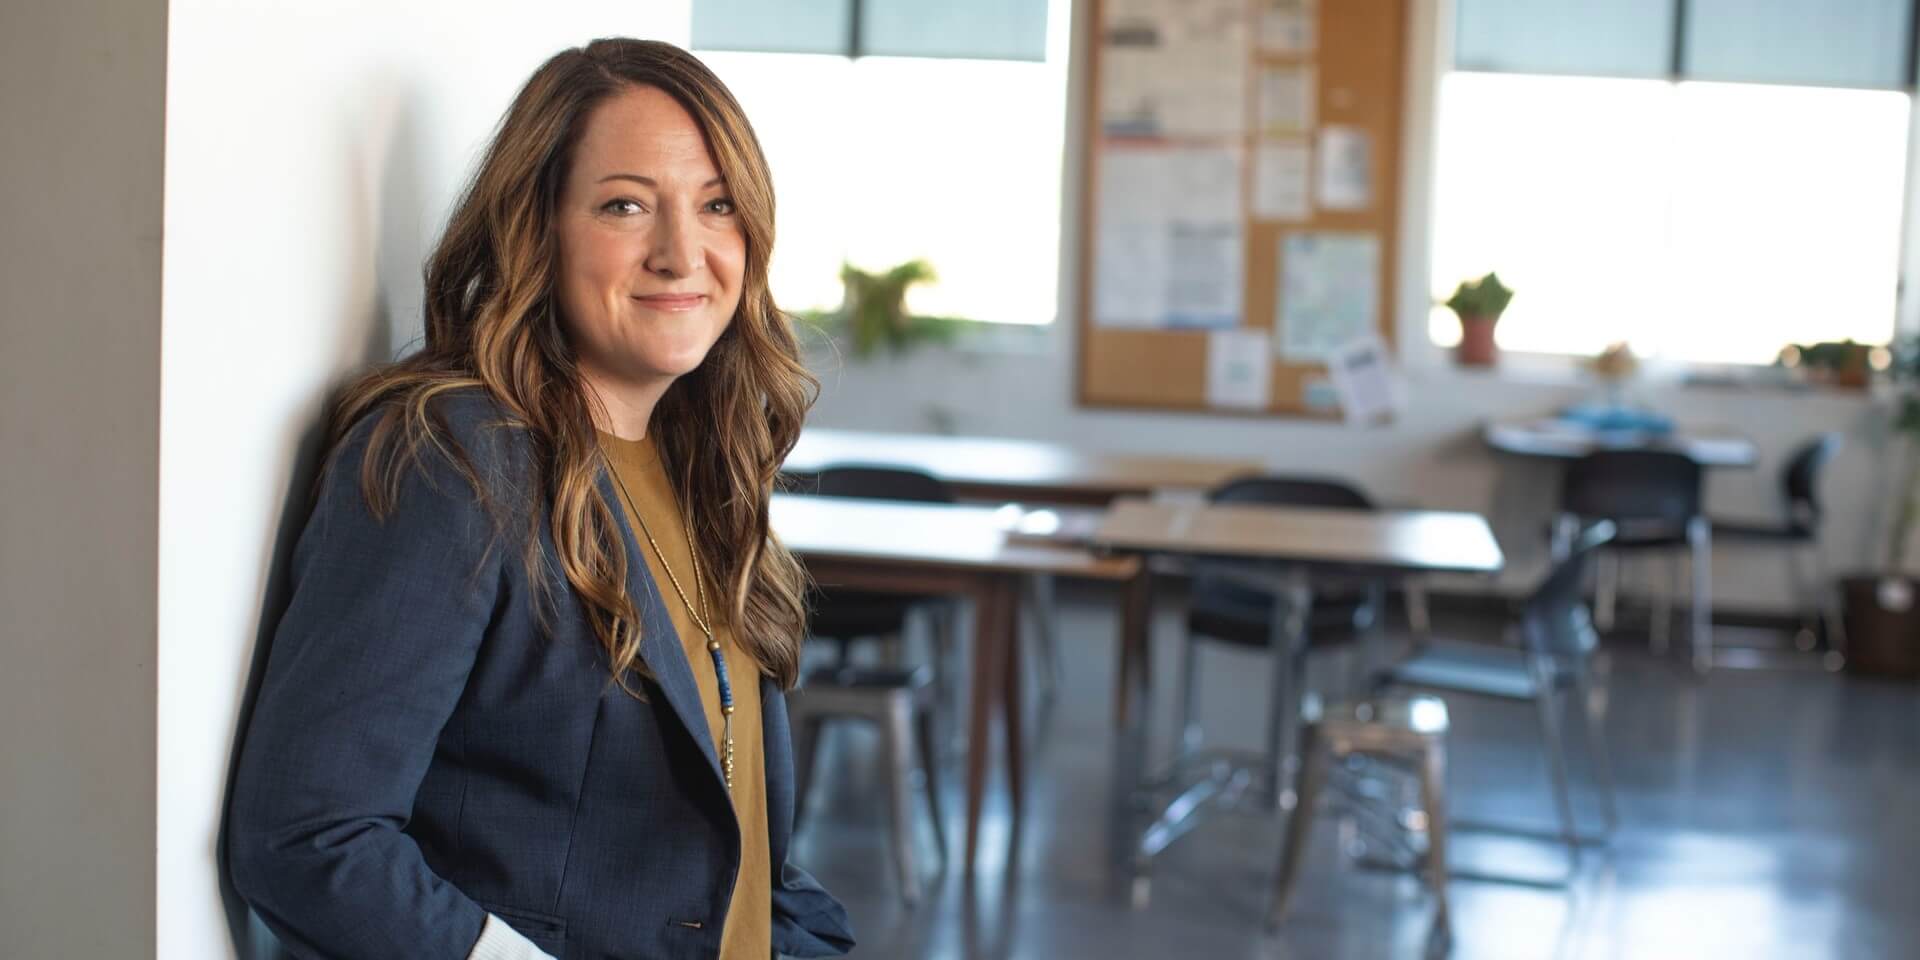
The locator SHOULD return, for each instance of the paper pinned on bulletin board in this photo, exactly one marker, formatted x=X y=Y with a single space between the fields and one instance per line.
x=1287 y=94
x=1362 y=373
x=1346 y=168
x=1282 y=182
x=1174 y=68
x=1239 y=369
x=1169 y=249
x=1329 y=292
x=1286 y=27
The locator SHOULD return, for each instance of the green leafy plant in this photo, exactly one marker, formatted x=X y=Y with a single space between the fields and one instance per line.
x=1485 y=298
x=874 y=313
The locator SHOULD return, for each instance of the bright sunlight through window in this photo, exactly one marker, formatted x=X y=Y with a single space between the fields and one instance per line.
x=880 y=160
x=1700 y=222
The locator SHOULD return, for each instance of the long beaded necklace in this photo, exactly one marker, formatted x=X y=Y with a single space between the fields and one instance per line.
x=701 y=618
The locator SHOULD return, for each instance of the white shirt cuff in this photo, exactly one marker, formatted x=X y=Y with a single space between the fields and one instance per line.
x=499 y=941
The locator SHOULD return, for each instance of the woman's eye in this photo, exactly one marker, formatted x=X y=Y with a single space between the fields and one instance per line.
x=722 y=206
x=622 y=207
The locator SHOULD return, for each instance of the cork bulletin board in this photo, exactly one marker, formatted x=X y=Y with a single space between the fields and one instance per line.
x=1240 y=199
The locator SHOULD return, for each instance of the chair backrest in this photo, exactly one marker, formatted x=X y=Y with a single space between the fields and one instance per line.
x=1555 y=620
x=1291 y=491
x=880 y=483
x=1635 y=487
x=1800 y=478
x=1212 y=592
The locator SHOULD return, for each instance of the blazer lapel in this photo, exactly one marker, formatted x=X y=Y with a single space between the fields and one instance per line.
x=660 y=645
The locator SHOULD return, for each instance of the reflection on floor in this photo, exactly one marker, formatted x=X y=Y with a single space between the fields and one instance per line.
x=1765 y=814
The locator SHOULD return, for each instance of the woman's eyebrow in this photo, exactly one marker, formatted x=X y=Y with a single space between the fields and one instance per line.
x=650 y=182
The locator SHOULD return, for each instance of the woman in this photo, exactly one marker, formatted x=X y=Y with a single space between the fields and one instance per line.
x=526 y=698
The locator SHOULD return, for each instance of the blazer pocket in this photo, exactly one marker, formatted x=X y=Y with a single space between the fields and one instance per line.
x=532 y=924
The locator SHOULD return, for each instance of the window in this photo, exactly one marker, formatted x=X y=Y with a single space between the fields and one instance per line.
x=1700 y=222
x=880 y=160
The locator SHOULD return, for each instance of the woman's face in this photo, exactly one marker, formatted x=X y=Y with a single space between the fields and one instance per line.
x=651 y=250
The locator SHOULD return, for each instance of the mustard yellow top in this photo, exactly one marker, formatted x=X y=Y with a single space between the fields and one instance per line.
x=748 y=931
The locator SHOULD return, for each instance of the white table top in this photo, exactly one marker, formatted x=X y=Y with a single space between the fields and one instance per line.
x=1409 y=541
x=928 y=534
x=1005 y=463
x=1560 y=439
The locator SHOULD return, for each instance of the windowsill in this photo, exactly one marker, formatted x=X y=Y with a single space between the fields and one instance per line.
x=1436 y=365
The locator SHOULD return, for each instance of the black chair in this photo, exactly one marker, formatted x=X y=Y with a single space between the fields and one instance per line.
x=1219 y=609
x=1798 y=533
x=1550 y=666
x=845 y=616
x=1653 y=498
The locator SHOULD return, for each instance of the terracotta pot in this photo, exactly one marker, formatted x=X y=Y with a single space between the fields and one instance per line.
x=1477 y=348
x=1883 y=625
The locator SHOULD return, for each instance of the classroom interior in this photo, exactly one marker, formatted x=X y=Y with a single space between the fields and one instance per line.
x=1289 y=478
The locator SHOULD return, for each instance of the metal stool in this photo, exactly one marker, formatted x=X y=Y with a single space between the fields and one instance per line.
x=900 y=703
x=1406 y=731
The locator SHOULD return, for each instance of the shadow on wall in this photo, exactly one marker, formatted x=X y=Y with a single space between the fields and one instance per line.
x=385 y=255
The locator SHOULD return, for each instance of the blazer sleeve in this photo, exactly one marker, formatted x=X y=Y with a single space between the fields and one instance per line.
x=368 y=661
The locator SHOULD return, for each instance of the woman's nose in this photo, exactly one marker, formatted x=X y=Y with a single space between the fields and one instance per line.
x=675 y=251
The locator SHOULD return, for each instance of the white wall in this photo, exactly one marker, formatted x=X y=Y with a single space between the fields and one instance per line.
x=1021 y=385
x=312 y=153
x=80 y=185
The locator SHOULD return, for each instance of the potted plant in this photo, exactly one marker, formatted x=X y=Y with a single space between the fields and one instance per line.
x=1478 y=304
x=1883 y=608
x=1841 y=363
x=874 y=312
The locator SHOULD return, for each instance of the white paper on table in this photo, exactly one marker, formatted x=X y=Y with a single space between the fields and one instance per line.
x=1346 y=168
x=1239 y=369
x=1329 y=292
x=1282 y=182
x=1362 y=372
x=1287 y=97
x=1204 y=274
x=1286 y=27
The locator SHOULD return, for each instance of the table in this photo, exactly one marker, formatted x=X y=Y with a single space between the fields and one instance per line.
x=965 y=551
x=1280 y=550
x=997 y=469
x=1557 y=439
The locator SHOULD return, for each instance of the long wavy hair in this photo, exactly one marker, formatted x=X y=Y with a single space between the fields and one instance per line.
x=492 y=323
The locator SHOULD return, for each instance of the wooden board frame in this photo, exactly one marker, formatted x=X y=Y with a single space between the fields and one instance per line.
x=1360 y=61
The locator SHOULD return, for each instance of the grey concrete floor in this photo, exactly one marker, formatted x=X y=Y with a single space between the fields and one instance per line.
x=1764 y=814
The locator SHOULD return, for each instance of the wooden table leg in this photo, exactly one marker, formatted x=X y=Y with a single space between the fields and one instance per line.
x=984 y=689
x=1012 y=700
x=1133 y=680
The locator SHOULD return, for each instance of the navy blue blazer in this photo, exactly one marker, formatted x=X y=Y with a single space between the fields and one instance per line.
x=421 y=755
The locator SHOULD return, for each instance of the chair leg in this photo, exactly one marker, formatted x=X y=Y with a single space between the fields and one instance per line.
x=1293 y=849
x=1557 y=768
x=1606 y=590
x=1660 y=629
x=1806 y=600
x=806 y=742
x=1045 y=611
x=1419 y=618
x=1287 y=644
x=897 y=733
x=1595 y=722
x=1700 y=543
x=1433 y=800
x=930 y=764
x=1828 y=592
x=1187 y=738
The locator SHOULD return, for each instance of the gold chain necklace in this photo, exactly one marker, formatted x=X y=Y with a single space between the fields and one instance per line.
x=702 y=618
